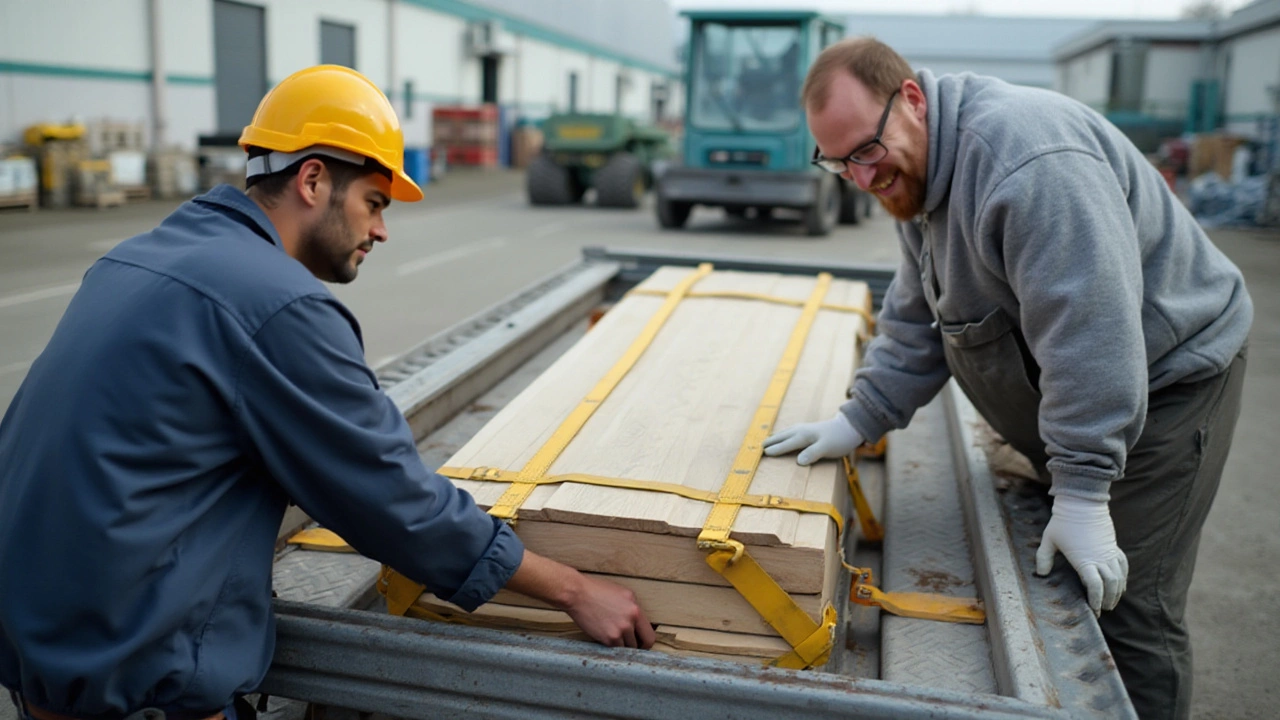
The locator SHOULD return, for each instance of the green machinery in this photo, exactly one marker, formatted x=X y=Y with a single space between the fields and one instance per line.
x=746 y=147
x=611 y=153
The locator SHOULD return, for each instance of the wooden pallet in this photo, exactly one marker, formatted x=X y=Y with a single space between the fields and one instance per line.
x=136 y=193
x=100 y=198
x=27 y=200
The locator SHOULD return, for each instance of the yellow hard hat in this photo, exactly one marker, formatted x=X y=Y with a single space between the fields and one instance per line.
x=328 y=109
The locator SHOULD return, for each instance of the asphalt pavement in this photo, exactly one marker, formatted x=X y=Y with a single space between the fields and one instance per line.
x=474 y=241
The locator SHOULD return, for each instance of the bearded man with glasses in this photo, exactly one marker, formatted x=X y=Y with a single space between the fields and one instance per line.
x=1049 y=269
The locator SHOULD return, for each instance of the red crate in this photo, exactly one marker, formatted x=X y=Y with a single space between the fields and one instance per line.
x=476 y=156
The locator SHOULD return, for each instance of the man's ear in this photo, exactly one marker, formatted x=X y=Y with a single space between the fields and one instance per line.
x=311 y=182
x=914 y=95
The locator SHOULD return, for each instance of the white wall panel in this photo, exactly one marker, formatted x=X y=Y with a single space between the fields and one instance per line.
x=1087 y=78
x=293 y=34
x=1255 y=66
x=1167 y=87
x=102 y=35
x=188 y=37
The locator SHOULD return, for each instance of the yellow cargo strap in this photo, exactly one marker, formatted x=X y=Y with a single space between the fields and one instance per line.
x=871 y=528
x=925 y=606
x=740 y=295
x=810 y=641
x=760 y=501
x=515 y=496
x=319 y=539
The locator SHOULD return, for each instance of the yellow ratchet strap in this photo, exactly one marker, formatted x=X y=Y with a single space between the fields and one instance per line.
x=810 y=641
x=516 y=495
x=871 y=528
x=741 y=295
x=319 y=539
x=925 y=606
x=776 y=502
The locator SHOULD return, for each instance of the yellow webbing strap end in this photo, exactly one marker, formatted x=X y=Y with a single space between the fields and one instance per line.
x=321 y=539
x=509 y=504
x=925 y=606
x=401 y=592
x=811 y=642
x=871 y=528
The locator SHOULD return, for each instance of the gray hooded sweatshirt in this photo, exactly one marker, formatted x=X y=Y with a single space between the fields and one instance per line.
x=1038 y=209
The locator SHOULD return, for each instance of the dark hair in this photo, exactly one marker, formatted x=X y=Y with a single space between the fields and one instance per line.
x=876 y=65
x=267 y=189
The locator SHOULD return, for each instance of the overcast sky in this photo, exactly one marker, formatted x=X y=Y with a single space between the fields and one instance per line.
x=1163 y=9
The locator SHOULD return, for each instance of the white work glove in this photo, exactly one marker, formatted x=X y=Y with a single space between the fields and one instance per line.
x=1083 y=531
x=832 y=438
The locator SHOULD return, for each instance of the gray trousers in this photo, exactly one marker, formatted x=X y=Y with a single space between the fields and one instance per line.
x=1159 y=508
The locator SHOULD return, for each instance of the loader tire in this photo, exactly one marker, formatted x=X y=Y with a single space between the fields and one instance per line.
x=620 y=183
x=549 y=184
x=822 y=215
x=852 y=202
x=672 y=215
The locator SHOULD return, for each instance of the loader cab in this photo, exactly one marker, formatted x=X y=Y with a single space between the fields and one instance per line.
x=746 y=145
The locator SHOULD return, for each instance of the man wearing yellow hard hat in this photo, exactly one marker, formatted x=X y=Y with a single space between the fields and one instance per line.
x=201 y=380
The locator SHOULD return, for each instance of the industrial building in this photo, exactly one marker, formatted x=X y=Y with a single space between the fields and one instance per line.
x=188 y=69
x=1193 y=75
x=1014 y=49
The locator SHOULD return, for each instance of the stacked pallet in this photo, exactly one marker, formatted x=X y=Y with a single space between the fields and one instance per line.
x=466 y=136
x=679 y=416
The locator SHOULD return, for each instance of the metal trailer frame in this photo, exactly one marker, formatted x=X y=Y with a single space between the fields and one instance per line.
x=1047 y=651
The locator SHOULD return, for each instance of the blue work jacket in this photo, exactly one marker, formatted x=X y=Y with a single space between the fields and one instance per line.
x=200 y=380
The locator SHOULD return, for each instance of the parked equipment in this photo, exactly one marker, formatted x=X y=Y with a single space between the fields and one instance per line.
x=746 y=145
x=611 y=153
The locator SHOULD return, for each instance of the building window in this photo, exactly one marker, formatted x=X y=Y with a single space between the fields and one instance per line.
x=337 y=44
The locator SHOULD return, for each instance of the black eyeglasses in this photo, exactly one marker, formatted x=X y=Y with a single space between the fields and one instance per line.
x=868 y=153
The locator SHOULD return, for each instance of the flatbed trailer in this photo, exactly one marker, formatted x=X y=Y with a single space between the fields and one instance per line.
x=949 y=528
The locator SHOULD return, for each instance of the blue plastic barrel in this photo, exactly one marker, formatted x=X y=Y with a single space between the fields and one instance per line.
x=417 y=165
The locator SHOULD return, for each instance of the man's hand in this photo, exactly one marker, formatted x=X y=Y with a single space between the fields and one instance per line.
x=832 y=438
x=1083 y=532
x=607 y=612
x=610 y=615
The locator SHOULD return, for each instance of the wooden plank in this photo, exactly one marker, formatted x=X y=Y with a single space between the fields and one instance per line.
x=696 y=640
x=688 y=604
x=554 y=623
x=674 y=558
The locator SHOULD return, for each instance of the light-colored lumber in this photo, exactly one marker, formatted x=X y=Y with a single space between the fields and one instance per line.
x=687 y=604
x=679 y=417
x=554 y=623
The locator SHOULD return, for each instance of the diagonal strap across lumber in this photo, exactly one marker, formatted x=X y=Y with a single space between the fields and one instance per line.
x=528 y=477
x=507 y=506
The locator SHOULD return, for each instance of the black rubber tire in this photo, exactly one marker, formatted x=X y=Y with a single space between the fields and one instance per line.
x=548 y=183
x=620 y=183
x=672 y=215
x=852 y=201
x=822 y=216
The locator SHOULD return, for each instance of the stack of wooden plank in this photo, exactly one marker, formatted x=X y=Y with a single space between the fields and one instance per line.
x=680 y=416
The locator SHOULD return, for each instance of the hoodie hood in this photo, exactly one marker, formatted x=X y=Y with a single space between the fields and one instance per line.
x=943 y=96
